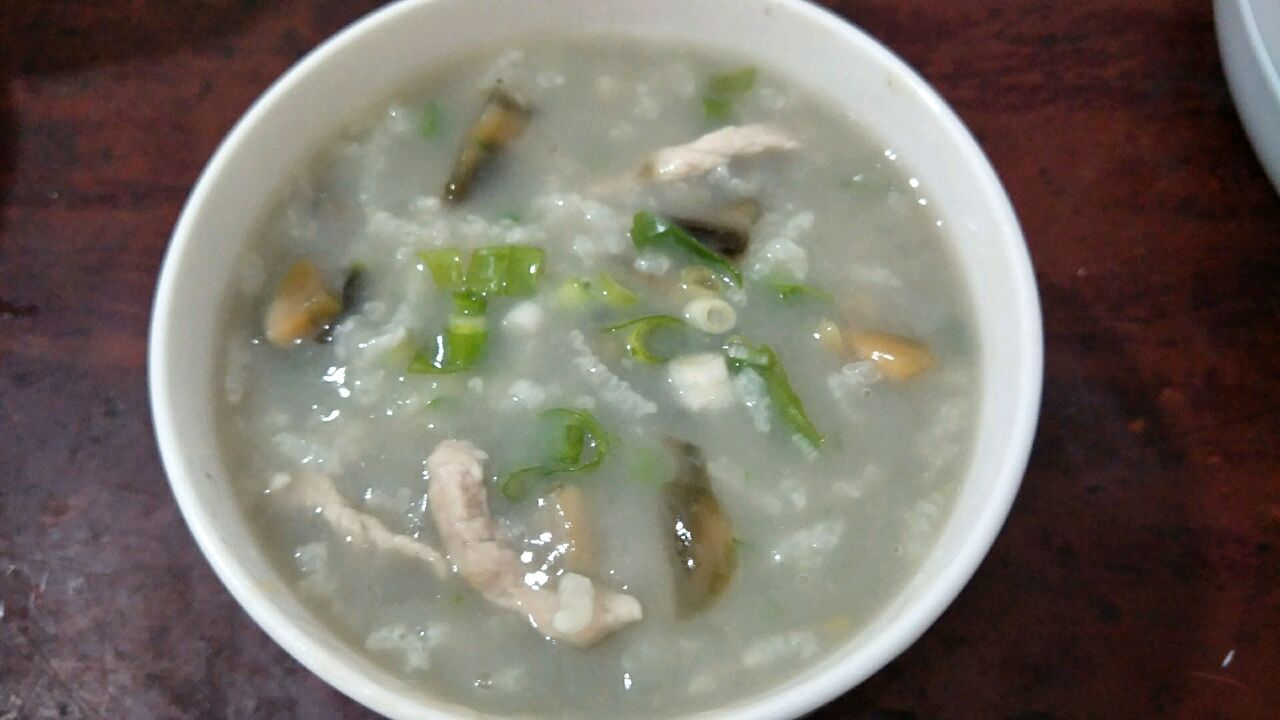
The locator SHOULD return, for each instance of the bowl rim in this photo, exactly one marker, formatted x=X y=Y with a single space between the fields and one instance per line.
x=1253 y=78
x=851 y=668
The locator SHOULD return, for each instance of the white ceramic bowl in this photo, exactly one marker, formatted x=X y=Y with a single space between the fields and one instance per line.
x=365 y=64
x=1249 y=39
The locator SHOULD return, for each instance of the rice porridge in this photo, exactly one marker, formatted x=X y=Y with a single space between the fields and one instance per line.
x=599 y=378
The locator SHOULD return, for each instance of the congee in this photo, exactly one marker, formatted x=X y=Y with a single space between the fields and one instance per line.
x=598 y=377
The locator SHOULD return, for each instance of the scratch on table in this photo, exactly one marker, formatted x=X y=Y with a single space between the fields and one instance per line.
x=1220 y=679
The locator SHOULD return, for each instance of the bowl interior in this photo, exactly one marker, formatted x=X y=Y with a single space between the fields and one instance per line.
x=1266 y=17
x=376 y=57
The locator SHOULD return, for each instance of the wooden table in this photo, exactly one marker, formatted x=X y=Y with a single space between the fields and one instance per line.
x=1138 y=576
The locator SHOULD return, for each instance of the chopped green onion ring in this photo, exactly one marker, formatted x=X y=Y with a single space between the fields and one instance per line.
x=638 y=332
x=510 y=270
x=462 y=345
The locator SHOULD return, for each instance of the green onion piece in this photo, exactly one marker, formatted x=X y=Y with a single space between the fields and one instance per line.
x=734 y=82
x=430 y=124
x=469 y=304
x=580 y=292
x=723 y=89
x=578 y=430
x=574 y=293
x=650 y=231
x=741 y=355
x=511 y=270
x=765 y=361
x=588 y=431
x=571 y=444
x=461 y=346
x=794 y=292
x=445 y=265
x=638 y=332
x=648 y=465
x=524 y=268
x=613 y=293
x=717 y=108
x=516 y=485
x=431 y=361
x=787 y=401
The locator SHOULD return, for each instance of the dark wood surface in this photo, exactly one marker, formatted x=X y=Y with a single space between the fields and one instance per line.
x=1138 y=575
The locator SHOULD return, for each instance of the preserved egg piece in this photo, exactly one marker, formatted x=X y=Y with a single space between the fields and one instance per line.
x=353 y=291
x=703 y=536
x=899 y=358
x=503 y=118
x=301 y=306
x=726 y=229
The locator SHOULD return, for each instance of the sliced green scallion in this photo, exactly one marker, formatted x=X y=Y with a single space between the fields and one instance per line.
x=580 y=292
x=443 y=403
x=734 y=82
x=723 y=89
x=651 y=231
x=795 y=292
x=638 y=334
x=462 y=345
x=574 y=293
x=445 y=265
x=578 y=443
x=510 y=270
x=646 y=463
x=716 y=107
x=432 y=119
x=499 y=270
x=613 y=293
x=764 y=361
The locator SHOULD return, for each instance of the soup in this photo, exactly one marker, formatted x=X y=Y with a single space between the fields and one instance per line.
x=599 y=378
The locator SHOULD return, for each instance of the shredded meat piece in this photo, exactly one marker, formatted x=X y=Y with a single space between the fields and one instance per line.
x=578 y=613
x=714 y=149
x=701 y=381
x=312 y=490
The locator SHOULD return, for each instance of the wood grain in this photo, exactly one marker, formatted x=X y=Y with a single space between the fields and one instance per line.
x=1138 y=575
